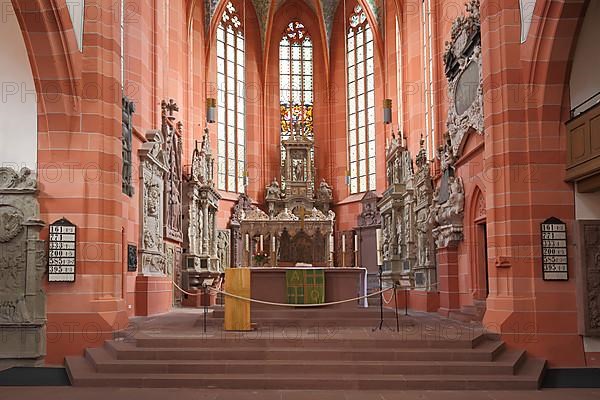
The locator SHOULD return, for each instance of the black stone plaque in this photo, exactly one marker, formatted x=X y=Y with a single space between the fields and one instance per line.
x=131 y=258
x=62 y=241
x=466 y=88
x=554 y=250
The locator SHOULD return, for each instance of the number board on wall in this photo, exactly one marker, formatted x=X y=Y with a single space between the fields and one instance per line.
x=61 y=251
x=554 y=250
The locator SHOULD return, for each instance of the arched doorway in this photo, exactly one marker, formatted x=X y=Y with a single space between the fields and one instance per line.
x=479 y=254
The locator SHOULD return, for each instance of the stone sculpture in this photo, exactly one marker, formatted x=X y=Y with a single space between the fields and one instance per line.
x=22 y=267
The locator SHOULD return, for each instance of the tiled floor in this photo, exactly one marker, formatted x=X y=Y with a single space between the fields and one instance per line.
x=72 y=393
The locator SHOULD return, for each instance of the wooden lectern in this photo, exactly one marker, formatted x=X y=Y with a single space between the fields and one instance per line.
x=237 y=312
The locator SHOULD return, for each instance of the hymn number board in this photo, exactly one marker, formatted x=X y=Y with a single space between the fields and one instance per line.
x=554 y=250
x=61 y=251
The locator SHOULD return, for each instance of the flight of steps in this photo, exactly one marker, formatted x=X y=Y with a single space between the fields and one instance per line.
x=349 y=359
x=313 y=317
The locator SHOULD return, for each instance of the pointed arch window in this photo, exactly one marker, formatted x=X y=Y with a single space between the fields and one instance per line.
x=428 y=95
x=295 y=82
x=231 y=134
x=361 y=103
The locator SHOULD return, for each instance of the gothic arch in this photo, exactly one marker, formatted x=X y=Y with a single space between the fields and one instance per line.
x=550 y=46
x=46 y=24
x=478 y=242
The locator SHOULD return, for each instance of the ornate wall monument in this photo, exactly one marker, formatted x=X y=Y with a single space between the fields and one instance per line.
x=201 y=205
x=407 y=241
x=152 y=173
x=368 y=222
x=447 y=212
x=172 y=132
x=22 y=267
x=462 y=61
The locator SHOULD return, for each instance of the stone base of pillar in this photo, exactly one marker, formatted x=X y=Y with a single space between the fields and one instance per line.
x=153 y=295
x=448 y=280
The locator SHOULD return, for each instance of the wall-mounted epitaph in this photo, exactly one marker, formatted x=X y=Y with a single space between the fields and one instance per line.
x=62 y=240
x=131 y=258
x=554 y=250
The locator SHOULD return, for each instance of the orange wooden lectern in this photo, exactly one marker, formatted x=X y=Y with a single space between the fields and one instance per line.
x=237 y=312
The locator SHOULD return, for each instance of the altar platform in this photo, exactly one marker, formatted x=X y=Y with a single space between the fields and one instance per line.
x=307 y=350
x=269 y=284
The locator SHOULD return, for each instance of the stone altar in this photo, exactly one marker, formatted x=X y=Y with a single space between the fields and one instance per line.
x=268 y=284
x=22 y=267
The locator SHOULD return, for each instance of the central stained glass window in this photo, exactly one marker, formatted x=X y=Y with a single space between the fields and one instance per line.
x=295 y=83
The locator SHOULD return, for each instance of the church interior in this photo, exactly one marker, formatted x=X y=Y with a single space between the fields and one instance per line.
x=272 y=198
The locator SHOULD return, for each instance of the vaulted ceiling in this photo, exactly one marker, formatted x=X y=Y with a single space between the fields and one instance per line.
x=324 y=9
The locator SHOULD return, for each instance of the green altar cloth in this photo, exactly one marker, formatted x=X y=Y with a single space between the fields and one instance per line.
x=305 y=286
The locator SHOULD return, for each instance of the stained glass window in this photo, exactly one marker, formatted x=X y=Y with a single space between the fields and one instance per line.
x=231 y=135
x=295 y=82
x=361 y=103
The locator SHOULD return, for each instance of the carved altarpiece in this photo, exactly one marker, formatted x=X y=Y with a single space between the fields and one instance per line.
x=22 y=267
x=201 y=205
x=298 y=217
x=152 y=175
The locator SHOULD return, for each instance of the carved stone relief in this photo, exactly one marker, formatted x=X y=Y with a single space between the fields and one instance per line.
x=590 y=231
x=172 y=132
x=152 y=173
x=22 y=267
x=128 y=108
x=223 y=248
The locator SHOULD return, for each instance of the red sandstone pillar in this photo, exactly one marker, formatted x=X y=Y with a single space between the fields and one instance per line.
x=447 y=264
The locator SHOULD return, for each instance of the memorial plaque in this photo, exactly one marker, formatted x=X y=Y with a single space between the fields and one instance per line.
x=61 y=251
x=554 y=250
x=466 y=88
x=131 y=258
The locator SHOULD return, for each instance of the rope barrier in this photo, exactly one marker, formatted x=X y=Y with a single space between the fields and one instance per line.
x=282 y=304
x=391 y=297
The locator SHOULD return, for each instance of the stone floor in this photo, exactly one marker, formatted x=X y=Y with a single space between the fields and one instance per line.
x=73 y=393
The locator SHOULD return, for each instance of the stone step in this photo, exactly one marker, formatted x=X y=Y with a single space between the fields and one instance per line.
x=300 y=313
x=306 y=340
x=309 y=322
x=485 y=351
x=82 y=373
x=105 y=362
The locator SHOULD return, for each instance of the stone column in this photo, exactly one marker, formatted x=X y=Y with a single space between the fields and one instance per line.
x=214 y=229
x=447 y=264
x=205 y=229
